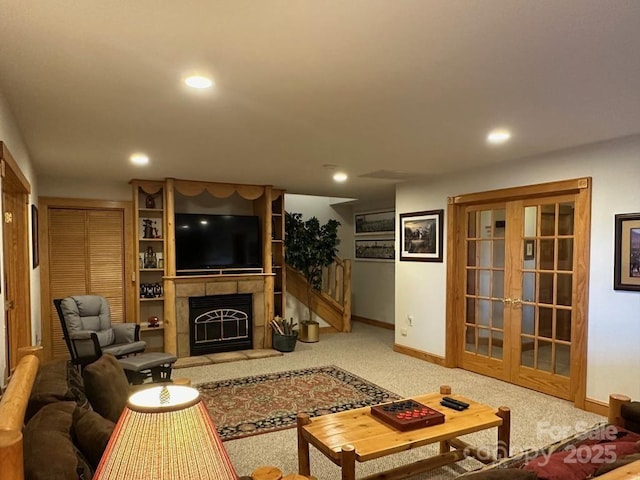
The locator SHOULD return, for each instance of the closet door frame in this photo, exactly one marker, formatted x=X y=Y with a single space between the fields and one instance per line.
x=47 y=310
x=581 y=187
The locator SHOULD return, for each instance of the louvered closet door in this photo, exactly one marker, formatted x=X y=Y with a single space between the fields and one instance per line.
x=86 y=256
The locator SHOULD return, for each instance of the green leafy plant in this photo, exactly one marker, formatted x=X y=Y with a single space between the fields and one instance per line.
x=310 y=247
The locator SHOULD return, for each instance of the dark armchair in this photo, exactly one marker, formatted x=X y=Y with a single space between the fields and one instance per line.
x=88 y=331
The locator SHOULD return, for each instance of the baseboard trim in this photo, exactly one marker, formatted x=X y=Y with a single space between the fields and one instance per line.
x=375 y=323
x=412 y=352
x=328 y=329
x=596 y=406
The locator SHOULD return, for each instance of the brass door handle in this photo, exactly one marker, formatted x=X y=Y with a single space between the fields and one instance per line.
x=506 y=300
x=517 y=301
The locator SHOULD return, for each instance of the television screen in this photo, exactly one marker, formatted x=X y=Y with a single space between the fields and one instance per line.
x=206 y=241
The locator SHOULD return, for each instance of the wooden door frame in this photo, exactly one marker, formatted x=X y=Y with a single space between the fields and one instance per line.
x=581 y=187
x=46 y=307
x=15 y=183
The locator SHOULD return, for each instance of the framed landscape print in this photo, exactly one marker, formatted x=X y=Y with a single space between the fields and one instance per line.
x=375 y=223
x=626 y=269
x=421 y=235
x=376 y=249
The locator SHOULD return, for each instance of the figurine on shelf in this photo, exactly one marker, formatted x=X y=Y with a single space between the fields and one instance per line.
x=153 y=322
x=156 y=233
x=150 y=201
x=150 y=259
x=148 y=231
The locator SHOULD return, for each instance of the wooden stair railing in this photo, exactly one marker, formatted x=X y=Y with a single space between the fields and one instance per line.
x=333 y=302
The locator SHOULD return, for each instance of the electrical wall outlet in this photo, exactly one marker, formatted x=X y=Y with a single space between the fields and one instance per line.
x=403 y=332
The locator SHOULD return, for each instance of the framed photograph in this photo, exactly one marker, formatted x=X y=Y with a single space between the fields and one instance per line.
x=375 y=223
x=529 y=249
x=35 y=255
x=375 y=249
x=626 y=270
x=421 y=236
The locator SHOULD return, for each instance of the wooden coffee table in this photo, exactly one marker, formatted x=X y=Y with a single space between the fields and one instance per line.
x=357 y=435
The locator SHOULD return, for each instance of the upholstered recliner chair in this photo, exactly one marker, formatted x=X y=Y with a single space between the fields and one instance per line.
x=88 y=331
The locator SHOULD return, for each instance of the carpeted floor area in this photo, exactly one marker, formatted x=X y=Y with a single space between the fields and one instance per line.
x=536 y=419
x=246 y=406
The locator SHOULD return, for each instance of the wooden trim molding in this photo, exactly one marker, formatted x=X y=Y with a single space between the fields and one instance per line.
x=516 y=193
x=596 y=406
x=375 y=323
x=412 y=352
x=5 y=156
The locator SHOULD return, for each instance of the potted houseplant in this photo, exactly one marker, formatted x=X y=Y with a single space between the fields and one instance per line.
x=310 y=247
x=284 y=336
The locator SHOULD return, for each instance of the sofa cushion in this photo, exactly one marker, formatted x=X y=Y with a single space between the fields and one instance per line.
x=106 y=386
x=631 y=413
x=55 y=382
x=92 y=433
x=581 y=462
x=49 y=452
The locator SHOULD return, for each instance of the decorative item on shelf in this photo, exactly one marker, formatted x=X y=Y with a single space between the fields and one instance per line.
x=153 y=321
x=156 y=232
x=147 y=225
x=150 y=201
x=157 y=290
x=160 y=262
x=284 y=336
x=141 y=261
x=150 y=258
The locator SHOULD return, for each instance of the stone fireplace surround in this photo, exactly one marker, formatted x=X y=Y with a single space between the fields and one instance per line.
x=186 y=287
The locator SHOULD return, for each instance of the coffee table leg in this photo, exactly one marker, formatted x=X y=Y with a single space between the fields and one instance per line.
x=304 y=467
x=504 y=432
x=348 y=462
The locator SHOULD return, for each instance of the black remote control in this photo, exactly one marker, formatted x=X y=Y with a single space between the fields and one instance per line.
x=454 y=406
x=453 y=400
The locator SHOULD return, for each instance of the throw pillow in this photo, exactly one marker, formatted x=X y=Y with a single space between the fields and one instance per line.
x=92 y=432
x=48 y=448
x=106 y=386
x=579 y=463
x=55 y=382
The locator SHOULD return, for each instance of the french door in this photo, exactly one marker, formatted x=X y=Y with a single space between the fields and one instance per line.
x=522 y=290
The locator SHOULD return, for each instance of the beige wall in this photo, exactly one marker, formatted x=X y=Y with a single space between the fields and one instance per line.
x=10 y=135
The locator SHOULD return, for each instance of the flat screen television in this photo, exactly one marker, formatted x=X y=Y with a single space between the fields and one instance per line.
x=206 y=242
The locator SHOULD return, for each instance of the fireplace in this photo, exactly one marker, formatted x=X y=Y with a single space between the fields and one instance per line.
x=220 y=323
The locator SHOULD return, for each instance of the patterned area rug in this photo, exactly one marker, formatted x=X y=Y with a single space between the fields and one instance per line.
x=265 y=403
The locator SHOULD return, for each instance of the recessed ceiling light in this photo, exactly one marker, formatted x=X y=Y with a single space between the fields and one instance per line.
x=499 y=135
x=139 y=159
x=340 y=176
x=198 y=81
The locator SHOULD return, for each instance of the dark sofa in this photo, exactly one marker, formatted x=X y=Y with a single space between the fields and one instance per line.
x=70 y=418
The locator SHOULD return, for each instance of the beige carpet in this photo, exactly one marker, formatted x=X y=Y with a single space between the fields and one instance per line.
x=536 y=419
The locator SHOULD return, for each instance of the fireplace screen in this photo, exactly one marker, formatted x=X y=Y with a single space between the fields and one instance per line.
x=220 y=323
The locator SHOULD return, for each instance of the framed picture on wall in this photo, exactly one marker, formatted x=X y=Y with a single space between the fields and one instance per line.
x=375 y=223
x=421 y=236
x=375 y=249
x=626 y=269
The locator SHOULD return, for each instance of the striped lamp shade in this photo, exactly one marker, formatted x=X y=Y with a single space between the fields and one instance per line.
x=165 y=432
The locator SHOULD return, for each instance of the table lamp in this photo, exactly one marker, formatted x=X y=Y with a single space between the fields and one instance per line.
x=165 y=433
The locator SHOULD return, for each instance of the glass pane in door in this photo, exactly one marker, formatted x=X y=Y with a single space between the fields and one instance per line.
x=484 y=289
x=547 y=287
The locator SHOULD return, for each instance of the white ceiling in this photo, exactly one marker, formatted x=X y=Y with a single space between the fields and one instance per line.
x=382 y=88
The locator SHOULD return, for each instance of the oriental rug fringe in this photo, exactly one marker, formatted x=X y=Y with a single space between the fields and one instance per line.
x=247 y=406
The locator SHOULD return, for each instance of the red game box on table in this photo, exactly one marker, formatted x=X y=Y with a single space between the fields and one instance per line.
x=407 y=415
